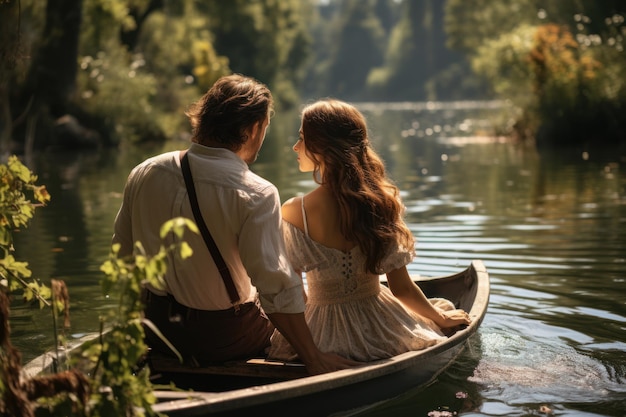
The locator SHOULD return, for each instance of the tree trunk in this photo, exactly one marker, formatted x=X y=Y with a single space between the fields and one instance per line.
x=129 y=37
x=52 y=76
x=9 y=47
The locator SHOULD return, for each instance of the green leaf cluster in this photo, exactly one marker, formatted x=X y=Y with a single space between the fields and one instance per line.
x=118 y=387
x=18 y=189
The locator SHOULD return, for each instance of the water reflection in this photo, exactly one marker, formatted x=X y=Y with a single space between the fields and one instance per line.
x=550 y=227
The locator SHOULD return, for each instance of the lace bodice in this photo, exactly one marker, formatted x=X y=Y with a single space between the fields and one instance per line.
x=334 y=276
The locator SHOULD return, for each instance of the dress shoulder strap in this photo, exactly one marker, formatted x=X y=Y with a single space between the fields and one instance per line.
x=306 y=226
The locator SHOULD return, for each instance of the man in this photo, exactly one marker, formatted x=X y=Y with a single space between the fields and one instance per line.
x=242 y=213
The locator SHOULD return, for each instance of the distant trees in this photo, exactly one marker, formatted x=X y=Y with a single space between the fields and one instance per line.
x=417 y=60
x=561 y=63
x=358 y=44
x=51 y=78
x=78 y=73
x=266 y=39
x=385 y=50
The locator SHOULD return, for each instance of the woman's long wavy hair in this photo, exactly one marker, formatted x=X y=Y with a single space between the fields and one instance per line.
x=336 y=139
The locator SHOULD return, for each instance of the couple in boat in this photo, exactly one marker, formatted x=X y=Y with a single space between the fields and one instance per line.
x=244 y=296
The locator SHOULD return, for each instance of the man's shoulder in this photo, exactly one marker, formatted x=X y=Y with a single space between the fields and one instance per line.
x=162 y=160
x=256 y=183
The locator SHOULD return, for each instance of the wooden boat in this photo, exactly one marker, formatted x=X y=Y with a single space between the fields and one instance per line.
x=280 y=388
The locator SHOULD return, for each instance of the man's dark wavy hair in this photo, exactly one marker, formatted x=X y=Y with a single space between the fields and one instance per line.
x=231 y=106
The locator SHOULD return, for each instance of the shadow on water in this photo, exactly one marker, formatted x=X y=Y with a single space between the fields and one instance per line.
x=449 y=394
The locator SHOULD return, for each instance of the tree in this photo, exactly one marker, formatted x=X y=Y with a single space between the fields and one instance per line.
x=418 y=65
x=408 y=62
x=51 y=79
x=557 y=61
x=129 y=34
x=107 y=71
x=358 y=47
x=9 y=63
x=469 y=25
x=265 y=39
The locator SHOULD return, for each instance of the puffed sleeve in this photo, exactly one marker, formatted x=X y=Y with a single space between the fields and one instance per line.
x=301 y=251
x=397 y=256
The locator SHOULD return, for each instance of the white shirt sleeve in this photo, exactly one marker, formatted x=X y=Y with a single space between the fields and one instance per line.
x=263 y=254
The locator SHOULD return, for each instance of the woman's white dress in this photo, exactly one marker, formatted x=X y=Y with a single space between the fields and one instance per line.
x=348 y=311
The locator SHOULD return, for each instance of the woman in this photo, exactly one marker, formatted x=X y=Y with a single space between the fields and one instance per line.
x=344 y=234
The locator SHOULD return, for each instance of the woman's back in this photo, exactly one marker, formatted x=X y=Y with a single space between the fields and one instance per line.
x=317 y=214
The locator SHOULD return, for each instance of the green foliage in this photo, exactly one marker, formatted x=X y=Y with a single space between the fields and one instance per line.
x=504 y=61
x=415 y=56
x=130 y=90
x=266 y=39
x=101 y=21
x=380 y=79
x=469 y=26
x=142 y=62
x=208 y=66
x=117 y=386
x=178 y=46
x=577 y=85
x=17 y=183
x=559 y=63
x=181 y=49
x=357 y=49
x=115 y=89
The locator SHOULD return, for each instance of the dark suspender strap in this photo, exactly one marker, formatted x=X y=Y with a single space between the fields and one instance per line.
x=204 y=230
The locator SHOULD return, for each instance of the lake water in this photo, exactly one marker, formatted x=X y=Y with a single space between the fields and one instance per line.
x=550 y=227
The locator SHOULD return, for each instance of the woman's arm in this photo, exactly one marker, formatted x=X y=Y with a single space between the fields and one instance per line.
x=405 y=290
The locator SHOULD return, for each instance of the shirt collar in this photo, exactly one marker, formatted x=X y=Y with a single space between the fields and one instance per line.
x=218 y=153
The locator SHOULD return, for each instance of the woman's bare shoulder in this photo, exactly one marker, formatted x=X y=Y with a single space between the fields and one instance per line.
x=292 y=212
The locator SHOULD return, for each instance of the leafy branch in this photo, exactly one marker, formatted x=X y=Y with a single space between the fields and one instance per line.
x=104 y=379
x=16 y=210
x=118 y=386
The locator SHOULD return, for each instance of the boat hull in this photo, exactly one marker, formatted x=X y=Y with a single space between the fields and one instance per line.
x=325 y=401
x=285 y=389
x=357 y=387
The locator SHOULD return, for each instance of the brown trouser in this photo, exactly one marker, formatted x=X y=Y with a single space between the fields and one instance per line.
x=203 y=336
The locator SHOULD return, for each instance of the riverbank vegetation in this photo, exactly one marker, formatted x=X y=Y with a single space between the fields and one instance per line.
x=92 y=73
x=560 y=63
x=103 y=377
